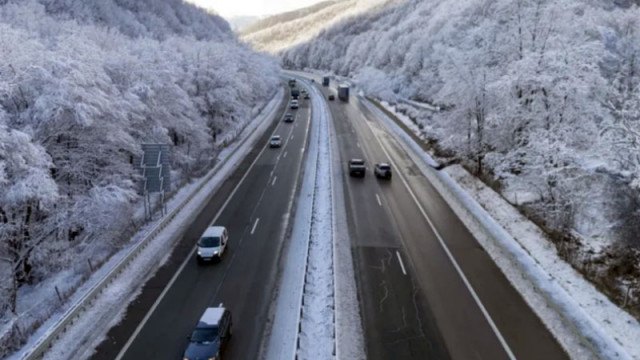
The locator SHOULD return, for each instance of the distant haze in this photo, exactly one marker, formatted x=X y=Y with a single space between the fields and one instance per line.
x=258 y=8
x=239 y=23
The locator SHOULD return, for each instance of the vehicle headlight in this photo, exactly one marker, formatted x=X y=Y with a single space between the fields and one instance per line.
x=215 y=253
x=199 y=253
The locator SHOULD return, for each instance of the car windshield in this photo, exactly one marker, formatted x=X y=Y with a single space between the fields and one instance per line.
x=357 y=162
x=384 y=167
x=204 y=335
x=209 y=241
x=275 y=138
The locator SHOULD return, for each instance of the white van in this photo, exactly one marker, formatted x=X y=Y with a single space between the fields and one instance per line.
x=212 y=244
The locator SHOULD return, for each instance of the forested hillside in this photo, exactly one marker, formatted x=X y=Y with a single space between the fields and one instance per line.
x=287 y=16
x=539 y=98
x=82 y=85
x=282 y=31
x=148 y=18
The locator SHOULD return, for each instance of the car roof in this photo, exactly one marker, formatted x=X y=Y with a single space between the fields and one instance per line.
x=214 y=231
x=211 y=316
x=357 y=160
x=275 y=137
x=383 y=164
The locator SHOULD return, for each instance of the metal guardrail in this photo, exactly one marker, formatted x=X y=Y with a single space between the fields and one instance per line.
x=88 y=299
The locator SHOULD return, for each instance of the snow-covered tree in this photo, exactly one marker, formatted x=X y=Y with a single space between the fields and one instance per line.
x=82 y=85
x=28 y=195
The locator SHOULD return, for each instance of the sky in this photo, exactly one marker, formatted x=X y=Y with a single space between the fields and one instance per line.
x=231 y=8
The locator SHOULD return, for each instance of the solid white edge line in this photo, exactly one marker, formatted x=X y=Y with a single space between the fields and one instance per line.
x=484 y=311
x=401 y=264
x=284 y=155
x=188 y=258
x=378 y=198
x=255 y=225
x=274 y=180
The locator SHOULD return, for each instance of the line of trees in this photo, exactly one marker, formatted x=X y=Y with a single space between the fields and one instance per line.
x=541 y=96
x=77 y=98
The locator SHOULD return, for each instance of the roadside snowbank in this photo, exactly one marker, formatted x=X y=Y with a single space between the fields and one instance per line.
x=584 y=321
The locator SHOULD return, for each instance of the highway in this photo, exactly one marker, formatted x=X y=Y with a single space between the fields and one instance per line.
x=427 y=289
x=254 y=204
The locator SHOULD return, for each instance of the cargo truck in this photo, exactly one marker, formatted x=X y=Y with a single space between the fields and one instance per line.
x=343 y=92
x=295 y=93
x=325 y=81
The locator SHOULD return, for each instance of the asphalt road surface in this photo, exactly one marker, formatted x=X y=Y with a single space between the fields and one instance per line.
x=427 y=289
x=256 y=217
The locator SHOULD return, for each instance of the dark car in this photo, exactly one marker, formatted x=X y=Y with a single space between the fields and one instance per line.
x=306 y=96
x=332 y=97
x=382 y=171
x=288 y=118
x=357 y=167
x=213 y=331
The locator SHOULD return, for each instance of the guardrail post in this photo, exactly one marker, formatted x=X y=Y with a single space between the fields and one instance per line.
x=626 y=296
x=58 y=292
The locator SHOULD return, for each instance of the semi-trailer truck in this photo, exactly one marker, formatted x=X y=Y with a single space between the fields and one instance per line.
x=343 y=92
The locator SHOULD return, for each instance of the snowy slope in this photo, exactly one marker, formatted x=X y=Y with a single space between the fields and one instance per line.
x=282 y=31
x=152 y=18
x=539 y=99
x=82 y=85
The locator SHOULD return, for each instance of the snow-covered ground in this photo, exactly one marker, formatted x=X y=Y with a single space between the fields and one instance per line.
x=584 y=321
x=317 y=330
x=85 y=334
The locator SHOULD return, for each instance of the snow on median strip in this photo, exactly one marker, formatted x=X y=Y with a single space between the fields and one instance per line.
x=303 y=326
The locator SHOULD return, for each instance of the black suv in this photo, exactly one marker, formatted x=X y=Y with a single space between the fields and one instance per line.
x=211 y=334
x=357 y=167
x=288 y=118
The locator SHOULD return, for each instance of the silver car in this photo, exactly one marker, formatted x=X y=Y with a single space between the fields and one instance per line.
x=275 y=141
